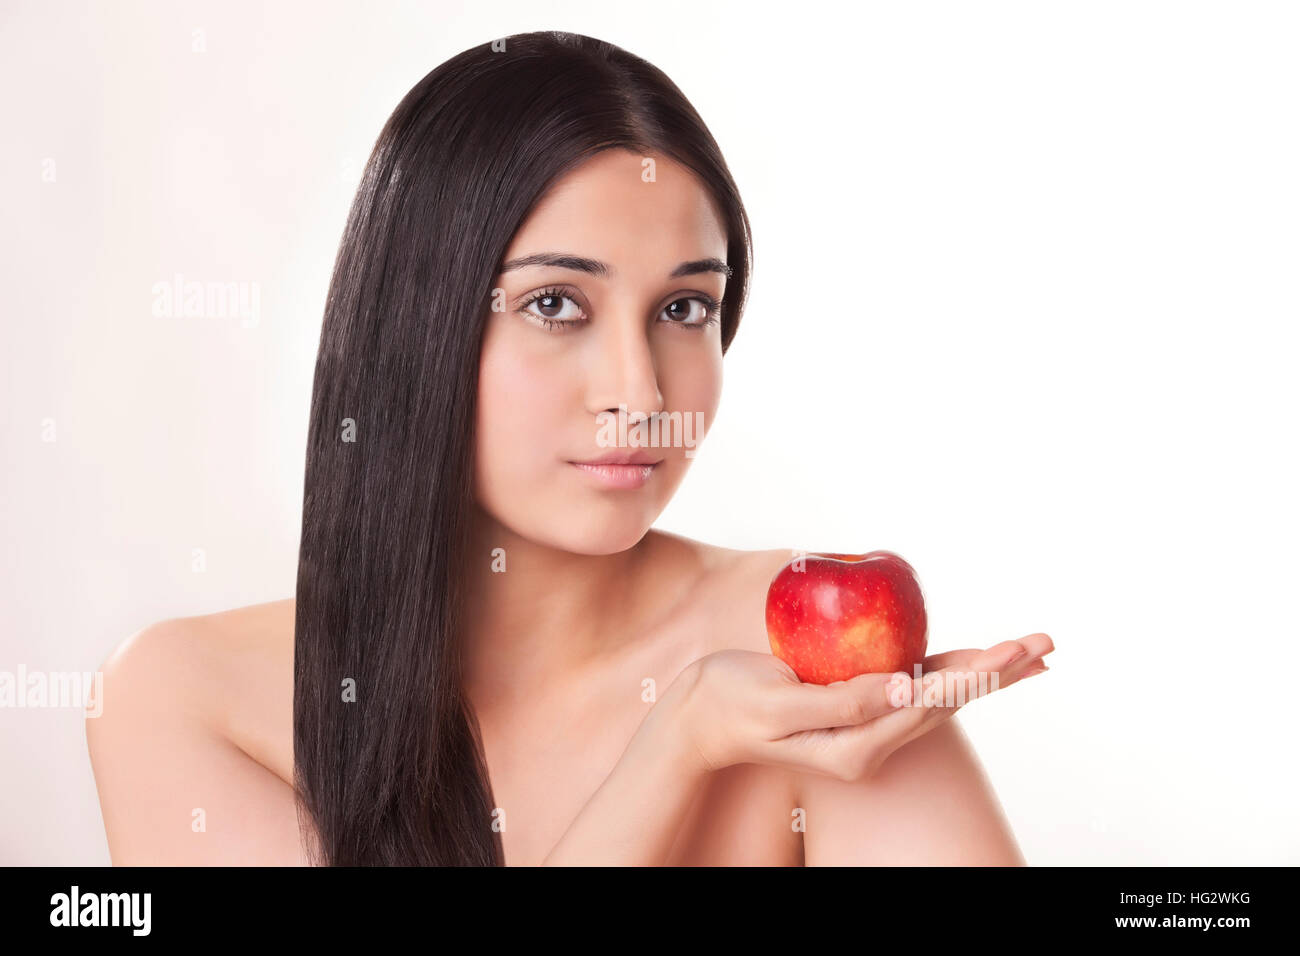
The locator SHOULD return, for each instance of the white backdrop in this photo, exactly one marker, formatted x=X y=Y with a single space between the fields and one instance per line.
x=1024 y=311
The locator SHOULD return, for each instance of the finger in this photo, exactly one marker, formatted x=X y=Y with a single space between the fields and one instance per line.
x=942 y=693
x=801 y=707
x=893 y=704
x=948 y=658
x=999 y=656
x=938 y=695
x=1035 y=645
x=934 y=699
x=1002 y=665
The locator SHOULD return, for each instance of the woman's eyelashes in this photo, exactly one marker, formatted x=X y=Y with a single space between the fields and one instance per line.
x=700 y=310
x=555 y=315
x=707 y=314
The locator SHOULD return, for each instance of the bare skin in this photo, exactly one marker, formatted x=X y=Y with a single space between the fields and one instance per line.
x=198 y=714
x=604 y=742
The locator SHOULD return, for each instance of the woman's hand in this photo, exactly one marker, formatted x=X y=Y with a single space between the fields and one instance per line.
x=745 y=707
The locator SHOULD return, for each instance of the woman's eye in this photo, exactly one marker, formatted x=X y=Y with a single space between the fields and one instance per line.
x=550 y=310
x=555 y=309
x=692 y=311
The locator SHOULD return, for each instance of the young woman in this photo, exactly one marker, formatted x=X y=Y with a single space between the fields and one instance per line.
x=491 y=656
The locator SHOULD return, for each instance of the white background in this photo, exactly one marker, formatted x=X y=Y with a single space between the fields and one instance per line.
x=1024 y=311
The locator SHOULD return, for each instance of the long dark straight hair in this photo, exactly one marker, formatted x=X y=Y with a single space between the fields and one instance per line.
x=388 y=761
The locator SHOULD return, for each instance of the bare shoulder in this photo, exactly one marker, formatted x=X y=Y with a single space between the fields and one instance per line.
x=931 y=803
x=190 y=743
x=728 y=595
x=735 y=591
x=231 y=672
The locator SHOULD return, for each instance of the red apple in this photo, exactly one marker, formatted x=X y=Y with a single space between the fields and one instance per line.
x=846 y=614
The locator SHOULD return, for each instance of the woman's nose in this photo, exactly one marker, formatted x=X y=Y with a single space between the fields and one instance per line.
x=624 y=375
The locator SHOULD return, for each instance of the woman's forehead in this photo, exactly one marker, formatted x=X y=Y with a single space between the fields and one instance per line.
x=627 y=210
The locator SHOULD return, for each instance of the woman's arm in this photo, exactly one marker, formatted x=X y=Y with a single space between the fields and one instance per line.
x=929 y=804
x=633 y=817
x=871 y=770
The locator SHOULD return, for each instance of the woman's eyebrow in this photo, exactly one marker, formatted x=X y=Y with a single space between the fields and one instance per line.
x=564 y=260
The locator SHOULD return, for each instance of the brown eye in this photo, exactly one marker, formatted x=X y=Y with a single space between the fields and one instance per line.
x=692 y=311
x=550 y=305
x=553 y=309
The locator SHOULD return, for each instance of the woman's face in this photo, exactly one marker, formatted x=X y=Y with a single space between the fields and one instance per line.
x=577 y=353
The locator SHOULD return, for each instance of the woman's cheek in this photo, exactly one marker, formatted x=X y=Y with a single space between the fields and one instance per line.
x=517 y=424
x=699 y=391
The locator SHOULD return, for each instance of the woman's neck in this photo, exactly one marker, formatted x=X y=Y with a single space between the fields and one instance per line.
x=536 y=615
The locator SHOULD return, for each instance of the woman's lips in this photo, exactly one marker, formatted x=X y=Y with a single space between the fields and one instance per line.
x=617 y=476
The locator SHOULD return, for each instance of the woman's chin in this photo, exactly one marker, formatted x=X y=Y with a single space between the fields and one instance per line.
x=609 y=537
